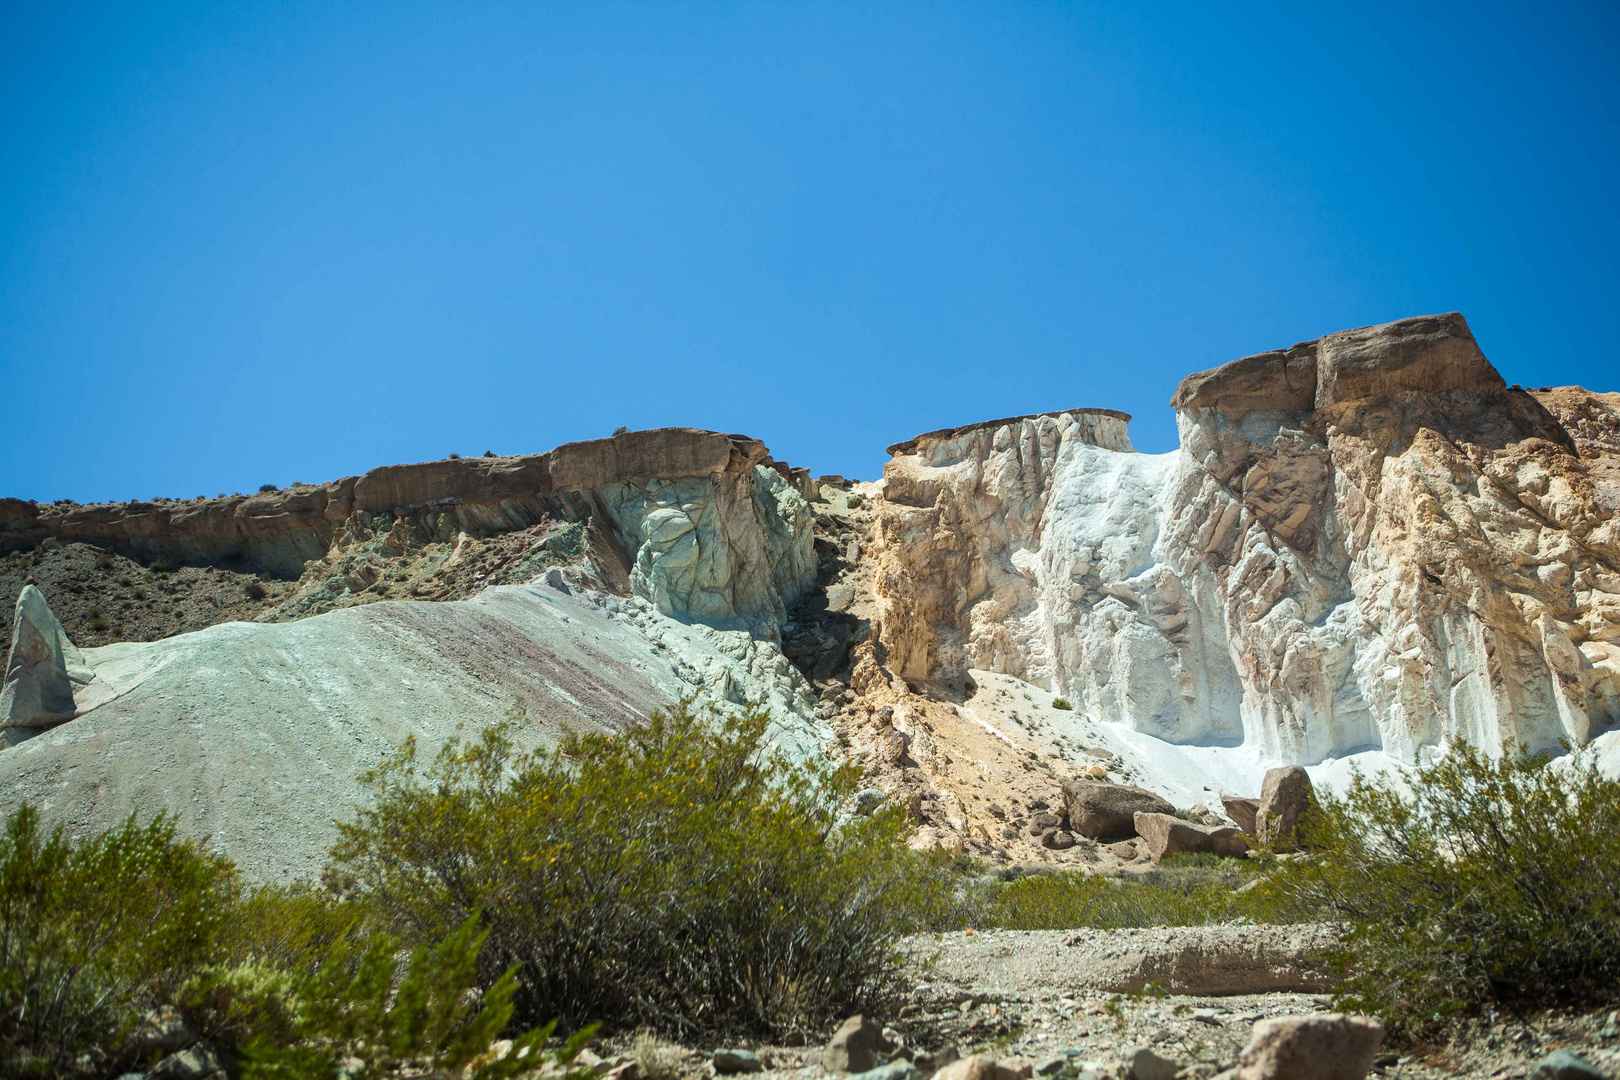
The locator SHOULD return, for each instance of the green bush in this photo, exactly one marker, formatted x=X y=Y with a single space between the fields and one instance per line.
x=1182 y=892
x=351 y=1021
x=678 y=876
x=1498 y=880
x=94 y=934
x=1063 y=703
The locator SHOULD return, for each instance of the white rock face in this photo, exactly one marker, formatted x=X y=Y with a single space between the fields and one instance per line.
x=1363 y=543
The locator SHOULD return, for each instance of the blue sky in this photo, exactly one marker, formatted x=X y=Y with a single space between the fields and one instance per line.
x=247 y=243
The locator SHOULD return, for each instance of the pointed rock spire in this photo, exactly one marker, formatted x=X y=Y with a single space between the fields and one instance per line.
x=43 y=668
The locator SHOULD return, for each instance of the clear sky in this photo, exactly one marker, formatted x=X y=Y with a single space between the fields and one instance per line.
x=244 y=243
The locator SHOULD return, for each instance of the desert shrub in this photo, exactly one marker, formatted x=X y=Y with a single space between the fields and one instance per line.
x=1496 y=880
x=268 y=487
x=1063 y=703
x=255 y=590
x=105 y=561
x=679 y=876
x=351 y=1020
x=94 y=933
x=1180 y=892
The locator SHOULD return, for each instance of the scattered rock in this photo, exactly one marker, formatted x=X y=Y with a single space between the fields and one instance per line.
x=868 y=800
x=895 y=1070
x=1125 y=849
x=854 y=1046
x=977 y=1067
x=1329 y=1046
x=1286 y=794
x=1166 y=835
x=1563 y=1065
x=1098 y=809
x=728 y=1062
x=204 y=1061
x=1143 y=1064
x=1057 y=840
x=1241 y=811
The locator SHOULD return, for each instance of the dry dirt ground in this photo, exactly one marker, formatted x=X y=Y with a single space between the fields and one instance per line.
x=1060 y=999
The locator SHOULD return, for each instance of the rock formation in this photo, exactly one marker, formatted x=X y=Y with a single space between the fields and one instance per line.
x=705 y=525
x=1365 y=541
x=43 y=670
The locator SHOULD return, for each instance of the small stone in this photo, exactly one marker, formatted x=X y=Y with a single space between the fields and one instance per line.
x=1143 y=1064
x=200 y=1062
x=895 y=1070
x=868 y=800
x=977 y=1067
x=1057 y=840
x=1206 y=1016
x=727 y=1062
x=1563 y=1065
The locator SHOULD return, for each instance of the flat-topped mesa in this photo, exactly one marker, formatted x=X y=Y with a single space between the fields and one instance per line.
x=281 y=530
x=1100 y=427
x=1428 y=353
x=702 y=523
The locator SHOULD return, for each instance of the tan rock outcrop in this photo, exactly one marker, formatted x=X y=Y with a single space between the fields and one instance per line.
x=703 y=524
x=1366 y=541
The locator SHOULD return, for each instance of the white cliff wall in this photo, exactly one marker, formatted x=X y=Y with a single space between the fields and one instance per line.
x=1366 y=541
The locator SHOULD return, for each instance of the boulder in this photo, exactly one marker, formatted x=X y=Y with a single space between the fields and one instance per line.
x=1563 y=1065
x=1241 y=811
x=980 y=1067
x=43 y=669
x=1326 y=1046
x=729 y=1062
x=1166 y=835
x=1143 y=1064
x=1098 y=809
x=854 y=1046
x=1286 y=794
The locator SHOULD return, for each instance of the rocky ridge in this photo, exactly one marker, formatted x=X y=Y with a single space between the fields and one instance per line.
x=1364 y=543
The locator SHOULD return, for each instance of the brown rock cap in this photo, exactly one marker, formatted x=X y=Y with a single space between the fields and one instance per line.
x=1429 y=353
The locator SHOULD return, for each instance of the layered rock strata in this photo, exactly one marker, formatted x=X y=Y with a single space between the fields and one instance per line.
x=704 y=525
x=1365 y=541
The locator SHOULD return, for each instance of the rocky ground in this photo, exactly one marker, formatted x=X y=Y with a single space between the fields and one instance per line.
x=100 y=597
x=1058 y=1002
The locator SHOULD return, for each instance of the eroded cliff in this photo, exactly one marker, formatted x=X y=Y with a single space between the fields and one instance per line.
x=1365 y=541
